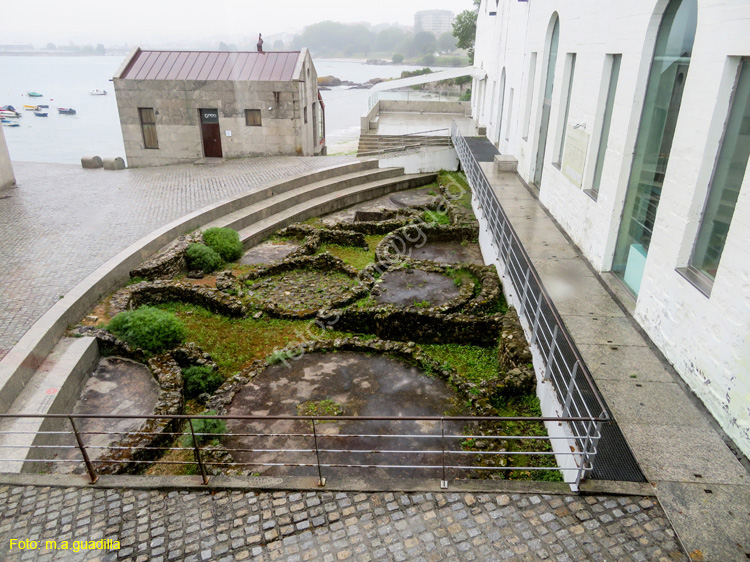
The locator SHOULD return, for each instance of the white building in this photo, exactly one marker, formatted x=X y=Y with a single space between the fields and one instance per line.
x=435 y=21
x=632 y=119
x=7 y=178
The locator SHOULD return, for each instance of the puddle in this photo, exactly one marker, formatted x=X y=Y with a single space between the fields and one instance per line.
x=407 y=289
x=362 y=385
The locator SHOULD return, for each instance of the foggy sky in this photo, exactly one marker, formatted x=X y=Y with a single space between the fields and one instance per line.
x=158 y=21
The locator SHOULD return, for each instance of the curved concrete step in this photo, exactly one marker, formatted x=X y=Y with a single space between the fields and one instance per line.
x=329 y=203
x=274 y=204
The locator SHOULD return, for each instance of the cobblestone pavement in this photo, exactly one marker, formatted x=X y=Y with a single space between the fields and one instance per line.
x=63 y=222
x=292 y=527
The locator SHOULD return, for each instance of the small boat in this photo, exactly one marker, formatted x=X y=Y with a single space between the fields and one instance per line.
x=9 y=124
x=9 y=114
x=40 y=113
x=97 y=92
x=66 y=111
x=43 y=106
x=34 y=94
x=30 y=107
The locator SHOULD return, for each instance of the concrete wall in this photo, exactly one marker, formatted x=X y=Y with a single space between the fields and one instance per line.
x=425 y=106
x=423 y=161
x=7 y=178
x=706 y=338
x=178 y=126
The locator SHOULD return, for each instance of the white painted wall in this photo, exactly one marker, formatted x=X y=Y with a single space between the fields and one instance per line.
x=6 y=168
x=423 y=161
x=706 y=339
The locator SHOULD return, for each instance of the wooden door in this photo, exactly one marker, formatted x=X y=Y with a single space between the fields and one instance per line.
x=211 y=133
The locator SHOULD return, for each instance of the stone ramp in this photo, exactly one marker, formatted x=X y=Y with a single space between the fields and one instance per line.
x=670 y=434
x=53 y=389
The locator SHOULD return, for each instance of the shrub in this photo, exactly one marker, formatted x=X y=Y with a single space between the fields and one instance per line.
x=148 y=328
x=225 y=242
x=210 y=427
x=200 y=379
x=398 y=58
x=200 y=256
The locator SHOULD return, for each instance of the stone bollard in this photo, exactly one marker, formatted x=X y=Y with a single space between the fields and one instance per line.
x=114 y=163
x=91 y=162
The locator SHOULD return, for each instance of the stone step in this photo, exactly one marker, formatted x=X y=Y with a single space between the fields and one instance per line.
x=329 y=203
x=274 y=204
x=53 y=389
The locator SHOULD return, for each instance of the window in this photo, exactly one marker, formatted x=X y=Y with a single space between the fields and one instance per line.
x=564 y=125
x=727 y=178
x=614 y=74
x=304 y=112
x=510 y=113
x=653 y=145
x=529 y=96
x=148 y=126
x=252 y=118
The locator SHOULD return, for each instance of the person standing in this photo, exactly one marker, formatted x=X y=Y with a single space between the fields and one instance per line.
x=260 y=43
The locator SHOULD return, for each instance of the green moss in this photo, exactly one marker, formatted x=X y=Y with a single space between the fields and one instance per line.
x=320 y=408
x=436 y=217
x=358 y=258
x=475 y=363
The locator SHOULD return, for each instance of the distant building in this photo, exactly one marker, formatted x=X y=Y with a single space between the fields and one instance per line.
x=180 y=106
x=7 y=178
x=435 y=21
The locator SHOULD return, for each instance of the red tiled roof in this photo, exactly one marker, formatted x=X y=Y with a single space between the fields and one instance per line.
x=212 y=65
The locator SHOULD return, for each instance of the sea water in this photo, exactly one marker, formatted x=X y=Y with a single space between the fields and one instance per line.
x=95 y=129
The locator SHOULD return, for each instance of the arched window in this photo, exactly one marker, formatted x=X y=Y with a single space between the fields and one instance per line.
x=501 y=106
x=661 y=108
x=541 y=146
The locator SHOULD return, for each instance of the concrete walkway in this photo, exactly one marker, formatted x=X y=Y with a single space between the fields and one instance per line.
x=63 y=222
x=699 y=481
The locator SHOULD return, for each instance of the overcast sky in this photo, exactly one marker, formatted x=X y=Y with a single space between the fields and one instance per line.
x=158 y=21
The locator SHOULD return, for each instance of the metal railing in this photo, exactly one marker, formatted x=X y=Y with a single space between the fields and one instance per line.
x=564 y=368
x=445 y=446
x=410 y=95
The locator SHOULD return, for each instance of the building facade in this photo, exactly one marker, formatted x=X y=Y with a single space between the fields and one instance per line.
x=632 y=119
x=180 y=106
x=435 y=21
x=7 y=179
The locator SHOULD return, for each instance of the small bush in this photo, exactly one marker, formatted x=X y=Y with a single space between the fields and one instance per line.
x=209 y=427
x=200 y=256
x=398 y=58
x=148 y=328
x=200 y=379
x=225 y=242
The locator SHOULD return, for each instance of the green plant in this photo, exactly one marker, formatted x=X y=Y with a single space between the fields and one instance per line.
x=225 y=242
x=204 y=429
x=148 y=328
x=320 y=408
x=134 y=280
x=200 y=256
x=436 y=217
x=398 y=58
x=422 y=304
x=199 y=379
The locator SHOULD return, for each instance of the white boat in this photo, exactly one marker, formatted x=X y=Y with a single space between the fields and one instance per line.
x=96 y=92
x=6 y=114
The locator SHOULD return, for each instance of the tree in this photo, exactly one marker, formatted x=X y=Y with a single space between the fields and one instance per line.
x=278 y=45
x=100 y=50
x=447 y=42
x=424 y=43
x=51 y=47
x=465 y=29
x=398 y=58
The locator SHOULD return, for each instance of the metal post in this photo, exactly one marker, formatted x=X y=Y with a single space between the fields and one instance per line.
x=444 y=481
x=552 y=349
x=321 y=480
x=197 y=452
x=569 y=393
x=535 y=326
x=89 y=466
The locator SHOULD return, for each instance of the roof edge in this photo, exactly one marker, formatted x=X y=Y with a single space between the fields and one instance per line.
x=127 y=63
x=298 y=74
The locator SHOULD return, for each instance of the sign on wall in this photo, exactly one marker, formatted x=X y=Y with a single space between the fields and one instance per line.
x=574 y=156
x=209 y=115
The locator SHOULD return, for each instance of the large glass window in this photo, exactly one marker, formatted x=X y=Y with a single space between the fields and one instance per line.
x=661 y=107
x=726 y=181
x=530 y=95
x=614 y=74
x=541 y=146
x=568 y=92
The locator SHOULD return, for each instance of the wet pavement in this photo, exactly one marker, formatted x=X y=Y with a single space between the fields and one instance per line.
x=361 y=385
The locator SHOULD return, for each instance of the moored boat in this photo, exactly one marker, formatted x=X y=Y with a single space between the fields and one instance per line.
x=40 y=113
x=34 y=94
x=97 y=92
x=7 y=123
x=43 y=106
x=30 y=107
x=66 y=111
x=9 y=114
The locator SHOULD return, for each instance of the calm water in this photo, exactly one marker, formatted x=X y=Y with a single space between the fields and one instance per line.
x=95 y=130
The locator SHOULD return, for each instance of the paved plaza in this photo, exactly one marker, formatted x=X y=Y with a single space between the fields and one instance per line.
x=62 y=222
x=292 y=527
